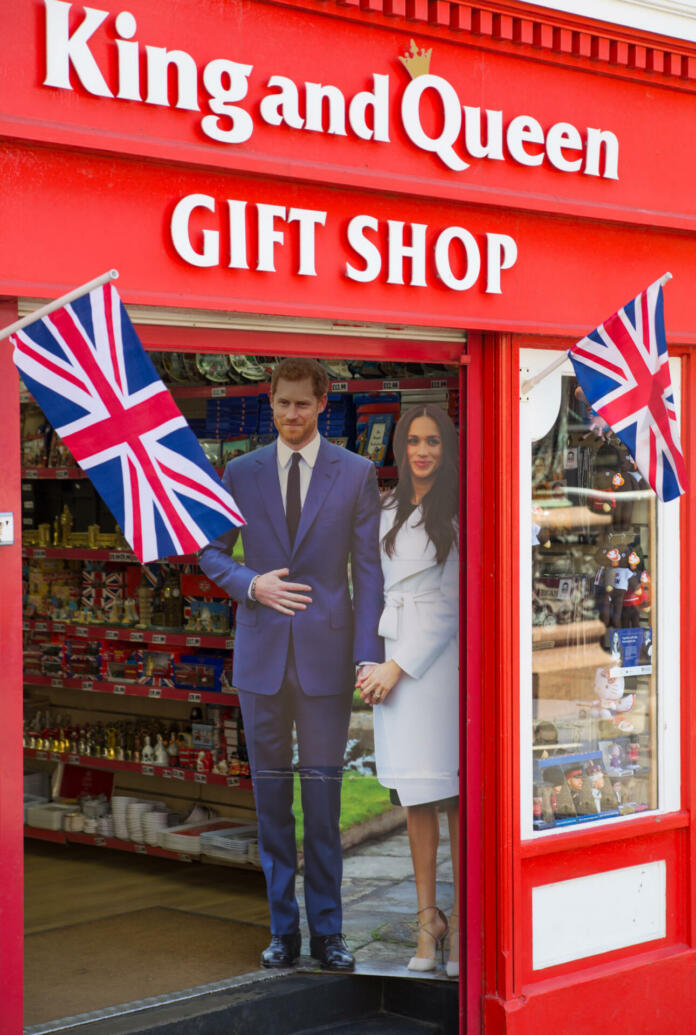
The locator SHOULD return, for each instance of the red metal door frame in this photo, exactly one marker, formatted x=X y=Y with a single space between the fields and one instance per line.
x=11 y=796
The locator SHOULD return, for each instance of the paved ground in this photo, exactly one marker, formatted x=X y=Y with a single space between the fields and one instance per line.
x=379 y=901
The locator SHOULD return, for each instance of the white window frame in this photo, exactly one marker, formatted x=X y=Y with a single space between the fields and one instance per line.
x=538 y=411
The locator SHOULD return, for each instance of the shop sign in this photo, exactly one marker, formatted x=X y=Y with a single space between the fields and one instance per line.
x=102 y=52
x=460 y=259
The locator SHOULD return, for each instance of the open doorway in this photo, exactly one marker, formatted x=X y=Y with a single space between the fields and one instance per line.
x=134 y=739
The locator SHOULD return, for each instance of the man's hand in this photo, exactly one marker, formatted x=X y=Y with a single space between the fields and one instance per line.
x=285 y=597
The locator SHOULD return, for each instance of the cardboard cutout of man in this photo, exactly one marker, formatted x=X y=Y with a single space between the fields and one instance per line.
x=310 y=506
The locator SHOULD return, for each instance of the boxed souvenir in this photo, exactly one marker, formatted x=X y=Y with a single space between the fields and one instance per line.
x=83 y=658
x=53 y=660
x=198 y=672
x=122 y=664
x=212 y=616
x=157 y=667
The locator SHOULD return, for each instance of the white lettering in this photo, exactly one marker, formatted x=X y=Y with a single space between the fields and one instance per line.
x=595 y=139
x=308 y=220
x=501 y=254
x=158 y=61
x=237 y=224
x=376 y=101
x=64 y=50
x=398 y=251
x=522 y=130
x=181 y=236
x=365 y=248
x=442 y=258
x=452 y=119
x=316 y=94
x=563 y=137
x=283 y=106
x=235 y=76
x=269 y=236
x=128 y=58
x=493 y=148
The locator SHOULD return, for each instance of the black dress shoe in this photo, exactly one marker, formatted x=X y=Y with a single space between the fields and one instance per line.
x=332 y=952
x=283 y=951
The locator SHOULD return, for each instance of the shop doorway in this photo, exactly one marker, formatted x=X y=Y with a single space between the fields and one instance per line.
x=100 y=874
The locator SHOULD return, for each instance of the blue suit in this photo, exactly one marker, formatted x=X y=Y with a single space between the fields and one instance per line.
x=299 y=670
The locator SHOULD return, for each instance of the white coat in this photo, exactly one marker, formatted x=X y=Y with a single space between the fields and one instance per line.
x=417 y=726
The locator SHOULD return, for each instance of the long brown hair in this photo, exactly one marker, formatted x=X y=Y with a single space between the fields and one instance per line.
x=441 y=503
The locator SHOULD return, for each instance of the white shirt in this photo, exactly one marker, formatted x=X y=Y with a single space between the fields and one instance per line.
x=308 y=459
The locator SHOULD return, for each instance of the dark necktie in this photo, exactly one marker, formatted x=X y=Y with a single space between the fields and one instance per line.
x=293 y=505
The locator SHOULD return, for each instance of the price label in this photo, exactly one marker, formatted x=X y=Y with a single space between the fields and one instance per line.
x=100 y=842
x=159 y=638
x=28 y=504
x=87 y=684
x=155 y=692
x=178 y=774
x=233 y=781
x=56 y=682
x=194 y=698
x=438 y=383
x=218 y=393
x=74 y=759
x=137 y=637
x=141 y=849
x=61 y=472
x=147 y=770
x=193 y=641
x=111 y=634
x=39 y=553
x=26 y=626
x=339 y=386
x=121 y=556
x=229 y=644
x=80 y=630
x=167 y=774
x=59 y=627
x=200 y=778
x=31 y=474
x=56 y=756
x=119 y=688
x=390 y=386
x=184 y=858
x=41 y=627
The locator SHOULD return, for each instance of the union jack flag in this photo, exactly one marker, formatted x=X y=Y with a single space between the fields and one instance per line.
x=87 y=369
x=623 y=369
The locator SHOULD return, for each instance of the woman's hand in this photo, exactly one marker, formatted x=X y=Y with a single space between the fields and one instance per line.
x=375 y=683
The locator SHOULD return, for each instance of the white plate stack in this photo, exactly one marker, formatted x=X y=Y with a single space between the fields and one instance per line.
x=134 y=816
x=229 y=844
x=152 y=823
x=119 y=804
x=105 y=826
x=186 y=838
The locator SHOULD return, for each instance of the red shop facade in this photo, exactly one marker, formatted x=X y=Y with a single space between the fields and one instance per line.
x=267 y=175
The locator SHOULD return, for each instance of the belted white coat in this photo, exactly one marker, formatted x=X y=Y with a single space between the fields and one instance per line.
x=417 y=726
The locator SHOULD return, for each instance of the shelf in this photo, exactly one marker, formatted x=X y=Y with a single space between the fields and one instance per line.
x=116 y=844
x=164 y=693
x=75 y=553
x=363 y=385
x=126 y=634
x=141 y=768
x=52 y=473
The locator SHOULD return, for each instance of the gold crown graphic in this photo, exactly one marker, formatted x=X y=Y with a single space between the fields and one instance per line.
x=416 y=62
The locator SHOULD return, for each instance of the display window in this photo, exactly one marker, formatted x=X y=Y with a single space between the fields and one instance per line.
x=599 y=563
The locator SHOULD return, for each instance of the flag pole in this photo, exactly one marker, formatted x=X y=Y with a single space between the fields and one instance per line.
x=532 y=382
x=50 y=307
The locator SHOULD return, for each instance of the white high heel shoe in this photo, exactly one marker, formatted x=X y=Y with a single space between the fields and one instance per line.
x=425 y=963
x=452 y=966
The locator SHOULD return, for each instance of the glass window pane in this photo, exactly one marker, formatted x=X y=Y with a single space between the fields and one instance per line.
x=594 y=624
